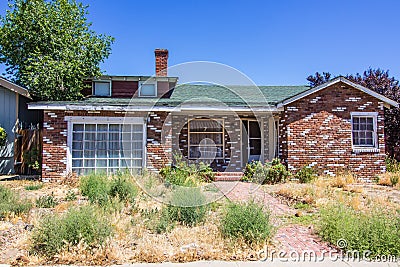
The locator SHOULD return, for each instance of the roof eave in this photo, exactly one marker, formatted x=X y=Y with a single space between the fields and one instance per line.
x=14 y=88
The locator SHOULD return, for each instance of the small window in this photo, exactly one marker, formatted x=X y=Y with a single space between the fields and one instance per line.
x=206 y=139
x=102 y=88
x=147 y=89
x=364 y=130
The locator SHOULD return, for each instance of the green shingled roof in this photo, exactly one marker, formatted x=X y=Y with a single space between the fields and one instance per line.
x=234 y=96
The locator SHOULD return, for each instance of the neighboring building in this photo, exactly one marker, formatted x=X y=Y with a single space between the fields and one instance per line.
x=14 y=114
x=136 y=122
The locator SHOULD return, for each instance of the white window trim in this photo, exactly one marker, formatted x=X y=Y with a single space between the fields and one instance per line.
x=374 y=116
x=93 y=119
x=101 y=81
x=148 y=82
x=222 y=122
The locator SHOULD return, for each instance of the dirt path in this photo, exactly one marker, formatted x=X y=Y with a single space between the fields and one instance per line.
x=289 y=237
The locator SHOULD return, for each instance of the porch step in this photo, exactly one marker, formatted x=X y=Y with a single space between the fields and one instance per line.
x=228 y=176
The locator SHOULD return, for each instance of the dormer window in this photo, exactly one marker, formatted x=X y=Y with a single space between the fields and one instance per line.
x=148 y=89
x=102 y=88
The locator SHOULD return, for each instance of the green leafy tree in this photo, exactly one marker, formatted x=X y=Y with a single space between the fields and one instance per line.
x=381 y=82
x=48 y=46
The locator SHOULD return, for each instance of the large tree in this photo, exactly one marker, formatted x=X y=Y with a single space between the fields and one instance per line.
x=48 y=46
x=381 y=82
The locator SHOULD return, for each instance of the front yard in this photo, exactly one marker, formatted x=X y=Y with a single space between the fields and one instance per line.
x=101 y=220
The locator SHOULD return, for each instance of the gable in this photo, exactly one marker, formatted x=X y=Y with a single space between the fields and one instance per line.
x=345 y=82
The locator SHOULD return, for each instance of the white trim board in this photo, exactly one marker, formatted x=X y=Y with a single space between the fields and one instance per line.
x=386 y=100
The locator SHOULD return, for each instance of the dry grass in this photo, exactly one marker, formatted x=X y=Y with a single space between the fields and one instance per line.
x=342 y=180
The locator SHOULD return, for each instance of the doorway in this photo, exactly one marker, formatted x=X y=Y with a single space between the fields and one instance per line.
x=251 y=141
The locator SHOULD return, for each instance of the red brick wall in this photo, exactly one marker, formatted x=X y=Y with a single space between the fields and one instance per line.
x=316 y=131
x=54 y=166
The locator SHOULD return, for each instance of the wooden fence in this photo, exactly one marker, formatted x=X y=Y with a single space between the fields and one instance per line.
x=28 y=152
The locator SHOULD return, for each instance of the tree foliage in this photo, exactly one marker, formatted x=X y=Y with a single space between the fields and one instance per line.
x=318 y=78
x=48 y=46
x=381 y=82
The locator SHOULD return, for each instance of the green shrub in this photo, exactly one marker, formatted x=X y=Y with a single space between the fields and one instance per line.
x=392 y=165
x=102 y=190
x=123 y=187
x=373 y=230
x=3 y=137
x=47 y=201
x=306 y=174
x=394 y=179
x=11 y=204
x=157 y=221
x=188 y=206
x=71 y=196
x=271 y=173
x=275 y=172
x=247 y=222
x=56 y=232
x=184 y=174
x=96 y=188
x=254 y=172
x=33 y=187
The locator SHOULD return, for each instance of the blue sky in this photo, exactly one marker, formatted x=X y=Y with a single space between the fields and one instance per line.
x=273 y=42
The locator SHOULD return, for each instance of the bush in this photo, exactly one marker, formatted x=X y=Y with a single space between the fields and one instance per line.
x=33 y=187
x=371 y=230
x=3 y=137
x=271 y=173
x=47 y=201
x=95 y=187
x=123 y=188
x=392 y=165
x=157 y=221
x=106 y=192
x=71 y=196
x=394 y=179
x=247 y=222
x=184 y=174
x=275 y=172
x=188 y=206
x=55 y=232
x=11 y=204
x=306 y=174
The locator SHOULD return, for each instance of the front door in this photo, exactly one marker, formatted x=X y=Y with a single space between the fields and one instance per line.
x=251 y=141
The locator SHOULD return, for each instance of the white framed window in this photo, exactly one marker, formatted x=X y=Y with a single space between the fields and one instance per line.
x=364 y=131
x=105 y=144
x=206 y=139
x=102 y=88
x=148 y=89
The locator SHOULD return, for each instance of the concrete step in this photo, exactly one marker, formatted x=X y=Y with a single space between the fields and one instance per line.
x=228 y=176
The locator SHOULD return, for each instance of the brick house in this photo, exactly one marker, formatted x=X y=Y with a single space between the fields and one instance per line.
x=139 y=122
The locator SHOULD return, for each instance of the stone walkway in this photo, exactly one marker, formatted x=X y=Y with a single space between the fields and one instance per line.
x=292 y=237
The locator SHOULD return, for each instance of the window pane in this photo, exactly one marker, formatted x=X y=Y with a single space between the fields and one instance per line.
x=77 y=153
x=102 y=127
x=205 y=152
x=115 y=128
x=205 y=139
x=77 y=163
x=148 y=90
x=102 y=89
x=78 y=127
x=205 y=126
x=254 y=129
x=90 y=127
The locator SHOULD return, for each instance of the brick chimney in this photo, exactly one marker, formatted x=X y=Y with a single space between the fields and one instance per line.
x=161 y=62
